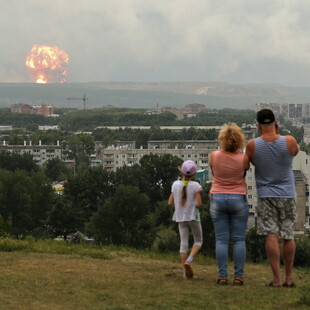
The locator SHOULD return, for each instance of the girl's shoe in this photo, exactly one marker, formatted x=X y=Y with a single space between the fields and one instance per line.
x=188 y=270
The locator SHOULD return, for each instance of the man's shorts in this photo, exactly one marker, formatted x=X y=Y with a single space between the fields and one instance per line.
x=276 y=216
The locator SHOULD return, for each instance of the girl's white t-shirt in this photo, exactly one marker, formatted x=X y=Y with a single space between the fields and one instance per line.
x=187 y=212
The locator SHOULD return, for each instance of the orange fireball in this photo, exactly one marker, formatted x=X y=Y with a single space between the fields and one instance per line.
x=48 y=63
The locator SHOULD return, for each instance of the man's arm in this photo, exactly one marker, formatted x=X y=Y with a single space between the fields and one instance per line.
x=250 y=149
x=292 y=145
x=246 y=162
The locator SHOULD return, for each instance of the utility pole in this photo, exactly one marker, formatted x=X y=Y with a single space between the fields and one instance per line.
x=83 y=98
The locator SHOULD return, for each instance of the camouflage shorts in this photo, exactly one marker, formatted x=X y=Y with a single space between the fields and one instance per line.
x=276 y=216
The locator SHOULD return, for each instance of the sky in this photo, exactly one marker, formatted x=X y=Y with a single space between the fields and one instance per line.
x=240 y=41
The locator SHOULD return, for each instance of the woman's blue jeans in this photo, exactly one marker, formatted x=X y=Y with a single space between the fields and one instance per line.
x=229 y=214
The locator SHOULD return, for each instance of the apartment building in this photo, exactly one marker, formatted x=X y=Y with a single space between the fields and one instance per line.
x=6 y=128
x=43 y=109
x=306 y=137
x=291 y=111
x=190 y=110
x=40 y=153
x=48 y=127
x=125 y=153
x=193 y=109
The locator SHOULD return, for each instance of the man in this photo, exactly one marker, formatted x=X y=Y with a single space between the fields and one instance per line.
x=272 y=155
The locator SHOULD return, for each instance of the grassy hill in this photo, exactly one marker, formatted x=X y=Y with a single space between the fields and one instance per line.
x=148 y=95
x=52 y=275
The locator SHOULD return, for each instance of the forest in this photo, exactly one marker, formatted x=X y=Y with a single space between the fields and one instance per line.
x=88 y=120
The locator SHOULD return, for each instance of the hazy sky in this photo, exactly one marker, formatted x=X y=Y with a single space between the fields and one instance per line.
x=240 y=41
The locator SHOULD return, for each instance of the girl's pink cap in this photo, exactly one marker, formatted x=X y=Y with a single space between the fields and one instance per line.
x=188 y=168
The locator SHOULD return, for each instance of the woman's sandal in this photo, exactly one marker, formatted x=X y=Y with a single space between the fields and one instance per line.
x=285 y=284
x=222 y=281
x=238 y=281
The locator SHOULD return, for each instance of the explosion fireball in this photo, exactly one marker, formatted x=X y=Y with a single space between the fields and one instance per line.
x=48 y=64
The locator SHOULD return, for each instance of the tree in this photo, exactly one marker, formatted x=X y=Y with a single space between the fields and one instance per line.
x=15 y=161
x=49 y=137
x=159 y=173
x=132 y=176
x=89 y=190
x=42 y=195
x=5 y=226
x=124 y=219
x=55 y=170
x=16 y=138
x=206 y=222
x=65 y=217
x=24 y=200
x=83 y=143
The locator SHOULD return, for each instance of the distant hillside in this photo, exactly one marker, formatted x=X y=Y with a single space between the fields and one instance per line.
x=148 y=95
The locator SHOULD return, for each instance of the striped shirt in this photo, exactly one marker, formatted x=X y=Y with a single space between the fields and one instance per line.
x=273 y=169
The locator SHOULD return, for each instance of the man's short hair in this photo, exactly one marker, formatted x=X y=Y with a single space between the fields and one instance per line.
x=265 y=116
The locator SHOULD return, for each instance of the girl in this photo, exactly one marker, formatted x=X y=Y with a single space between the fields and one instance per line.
x=186 y=197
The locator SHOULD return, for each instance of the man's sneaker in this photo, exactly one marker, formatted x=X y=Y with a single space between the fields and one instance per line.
x=188 y=270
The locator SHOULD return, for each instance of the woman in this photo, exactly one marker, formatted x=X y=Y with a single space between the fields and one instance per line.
x=229 y=208
x=186 y=197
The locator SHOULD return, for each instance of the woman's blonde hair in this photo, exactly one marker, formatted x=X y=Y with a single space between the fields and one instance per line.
x=231 y=138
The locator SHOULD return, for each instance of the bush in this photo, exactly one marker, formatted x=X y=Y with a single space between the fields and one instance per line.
x=256 y=248
x=167 y=240
x=124 y=219
x=255 y=245
x=302 y=255
x=5 y=226
x=208 y=245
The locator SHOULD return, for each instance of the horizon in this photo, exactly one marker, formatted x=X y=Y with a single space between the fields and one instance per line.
x=150 y=94
x=258 y=84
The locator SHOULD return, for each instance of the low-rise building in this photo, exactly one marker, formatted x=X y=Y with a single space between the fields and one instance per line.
x=289 y=111
x=193 y=109
x=125 y=153
x=48 y=127
x=23 y=108
x=40 y=153
x=6 y=128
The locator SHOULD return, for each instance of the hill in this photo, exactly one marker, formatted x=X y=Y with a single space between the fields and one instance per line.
x=149 y=95
x=55 y=275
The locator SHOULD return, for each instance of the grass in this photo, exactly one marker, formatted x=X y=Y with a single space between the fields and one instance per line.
x=52 y=275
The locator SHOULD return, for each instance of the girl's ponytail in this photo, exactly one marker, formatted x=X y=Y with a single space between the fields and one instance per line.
x=184 y=193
